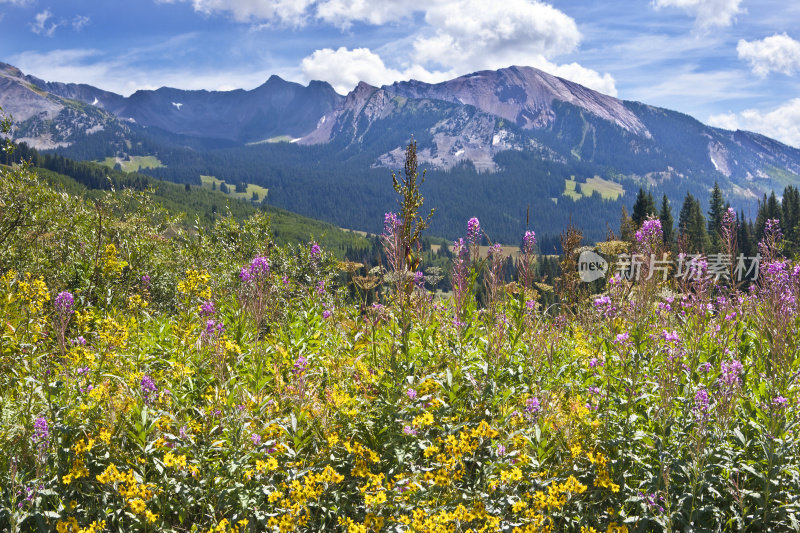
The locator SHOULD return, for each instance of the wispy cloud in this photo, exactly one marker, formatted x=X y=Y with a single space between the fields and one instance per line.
x=291 y=12
x=40 y=25
x=690 y=88
x=708 y=14
x=129 y=72
x=79 y=22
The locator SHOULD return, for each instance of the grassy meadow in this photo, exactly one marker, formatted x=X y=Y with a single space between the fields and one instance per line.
x=212 y=182
x=133 y=163
x=160 y=378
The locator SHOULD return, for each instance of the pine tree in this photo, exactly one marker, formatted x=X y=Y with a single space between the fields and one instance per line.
x=768 y=209
x=744 y=236
x=692 y=225
x=685 y=214
x=698 y=236
x=667 y=222
x=715 y=213
x=627 y=229
x=644 y=207
x=790 y=206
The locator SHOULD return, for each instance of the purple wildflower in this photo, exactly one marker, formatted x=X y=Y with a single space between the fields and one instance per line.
x=259 y=266
x=419 y=280
x=473 y=230
x=316 y=251
x=148 y=387
x=605 y=306
x=411 y=393
x=244 y=275
x=780 y=402
x=595 y=362
x=78 y=341
x=64 y=303
x=41 y=431
x=408 y=430
x=532 y=406
x=207 y=309
x=146 y=281
x=650 y=231
x=326 y=314
x=671 y=336
x=390 y=223
x=256 y=438
x=528 y=241
x=602 y=301
x=701 y=401
x=501 y=450
x=300 y=365
x=731 y=371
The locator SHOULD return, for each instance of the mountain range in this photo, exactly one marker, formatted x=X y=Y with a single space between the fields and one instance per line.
x=533 y=136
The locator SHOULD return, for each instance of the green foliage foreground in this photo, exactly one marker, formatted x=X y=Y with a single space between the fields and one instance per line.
x=156 y=379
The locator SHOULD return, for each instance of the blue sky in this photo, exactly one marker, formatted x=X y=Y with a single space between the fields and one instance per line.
x=730 y=63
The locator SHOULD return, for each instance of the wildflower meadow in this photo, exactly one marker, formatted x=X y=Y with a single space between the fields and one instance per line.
x=157 y=377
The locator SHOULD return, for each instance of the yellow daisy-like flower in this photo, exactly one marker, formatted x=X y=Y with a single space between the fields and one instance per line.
x=137 y=506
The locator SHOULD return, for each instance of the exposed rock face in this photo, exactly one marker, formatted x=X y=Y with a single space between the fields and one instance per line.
x=719 y=157
x=23 y=100
x=43 y=119
x=523 y=95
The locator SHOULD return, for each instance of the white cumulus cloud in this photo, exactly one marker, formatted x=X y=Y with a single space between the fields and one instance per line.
x=782 y=123
x=587 y=77
x=469 y=35
x=707 y=13
x=484 y=35
x=778 y=53
x=344 y=68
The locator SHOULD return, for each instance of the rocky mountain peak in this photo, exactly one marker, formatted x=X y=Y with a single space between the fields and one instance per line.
x=524 y=95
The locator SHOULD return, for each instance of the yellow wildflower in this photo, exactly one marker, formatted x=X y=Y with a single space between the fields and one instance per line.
x=137 y=505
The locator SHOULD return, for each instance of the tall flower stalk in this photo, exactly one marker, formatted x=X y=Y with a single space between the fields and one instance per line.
x=65 y=307
x=401 y=241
